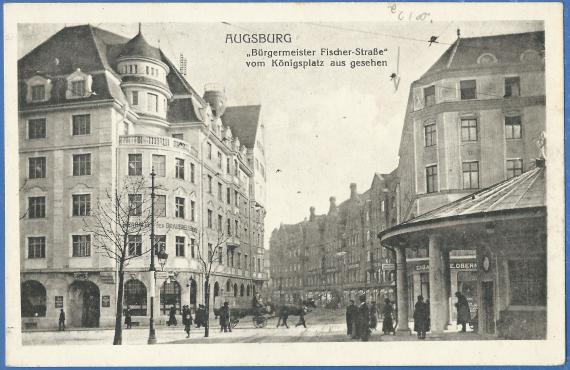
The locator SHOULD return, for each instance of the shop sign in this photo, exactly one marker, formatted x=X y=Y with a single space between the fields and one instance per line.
x=168 y=225
x=80 y=275
x=106 y=301
x=464 y=266
x=161 y=275
x=58 y=301
x=388 y=266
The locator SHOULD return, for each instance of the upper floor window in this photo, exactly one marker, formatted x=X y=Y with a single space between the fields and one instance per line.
x=180 y=168
x=219 y=160
x=431 y=179
x=159 y=165
x=152 y=102
x=180 y=246
x=78 y=85
x=514 y=167
x=228 y=195
x=37 y=247
x=468 y=89
x=81 y=204
x=135 y=164
x=178 y=136
x=192 y=172
x=469 y=129
x=209 y=184
x=236 y=198
x=135 y=98
x=135 y=245
x=37 y=167
x=38 y=93
x=513 y=127
x=429 y=95
x=37 y=128
x=81 y=245
x=192 y=210
x=430 y=134
x=228 y=165
x=210 y=213
x=81 y=124
x=179 y=211
x=220 y=191
x=135 y=204
x=470 y=175
x=220 y=222
x=37 y=207
x=209 y=151
x=82 y=164
x=78 y=88
x=512 y=87
x=160 y=205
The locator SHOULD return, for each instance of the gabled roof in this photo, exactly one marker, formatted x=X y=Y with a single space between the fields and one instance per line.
x=244 y=121
x=526 y=191
x=508 y=48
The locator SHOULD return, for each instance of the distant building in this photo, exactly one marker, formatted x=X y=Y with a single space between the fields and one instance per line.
x=96 y=108
x=473 y=120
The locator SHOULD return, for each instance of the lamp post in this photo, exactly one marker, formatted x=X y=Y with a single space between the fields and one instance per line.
x=151 y=331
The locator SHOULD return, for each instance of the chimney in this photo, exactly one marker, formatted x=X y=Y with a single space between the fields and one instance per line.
x=312 y=214
x=353 y=190
x=332 y=207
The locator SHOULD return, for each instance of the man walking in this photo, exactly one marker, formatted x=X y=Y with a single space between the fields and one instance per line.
x=225 y=323
x=302 y=317
x=351 y=311
x=463 y=313
x=363 y=320
x=61 y=320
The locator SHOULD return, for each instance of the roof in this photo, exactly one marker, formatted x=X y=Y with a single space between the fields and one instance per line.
x=523 y=192
x=244 y=121
x=506 y=48
x=183 y=110
x=139 y=47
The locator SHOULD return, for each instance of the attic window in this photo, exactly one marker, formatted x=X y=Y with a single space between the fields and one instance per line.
x=38 y=89
x=38 y=93
x=78 y=88
x=487 y=58
x=78 y=85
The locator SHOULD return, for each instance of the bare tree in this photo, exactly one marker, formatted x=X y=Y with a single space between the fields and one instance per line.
x=117 y=224
x=209 y=264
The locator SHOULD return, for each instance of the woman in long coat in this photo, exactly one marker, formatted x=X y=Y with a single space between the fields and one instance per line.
x=373 y=315
x=128 y=318
x=463 y=313
x=421 y=318
x=387 y=312
x=172 y=316
x=187 y=320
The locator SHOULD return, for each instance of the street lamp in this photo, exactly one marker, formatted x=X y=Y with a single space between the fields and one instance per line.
x=151 y=332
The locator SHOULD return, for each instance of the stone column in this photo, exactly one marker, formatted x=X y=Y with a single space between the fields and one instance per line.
x=447 y=284
x=437 y=285
x=402 y=289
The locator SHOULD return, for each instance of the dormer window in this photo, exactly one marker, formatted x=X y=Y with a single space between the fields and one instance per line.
x=78 y=85
x=38 y=89
x=38 y=93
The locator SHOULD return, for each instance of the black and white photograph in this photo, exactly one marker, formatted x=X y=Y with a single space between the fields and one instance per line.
x=286 y=184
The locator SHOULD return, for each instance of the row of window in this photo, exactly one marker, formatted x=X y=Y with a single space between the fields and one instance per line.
x=80 y=125
x=220 y=160
x=468 y=90
x=470 y=172
x=81 y=166
x=78 y=89
x=152 y=101
x=134 y=69
x=469 y=130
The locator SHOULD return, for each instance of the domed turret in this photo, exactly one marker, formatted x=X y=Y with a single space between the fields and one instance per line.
x=139 y=47
x=215 y=96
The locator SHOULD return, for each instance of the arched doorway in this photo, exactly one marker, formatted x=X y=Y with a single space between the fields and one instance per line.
x=216 y=292
x=169 y=296
x=248 y=290
x=193 y=293
x=135 y=297
x=241 y=290
x=84 y=305
x=33 y=301
x=235 y=290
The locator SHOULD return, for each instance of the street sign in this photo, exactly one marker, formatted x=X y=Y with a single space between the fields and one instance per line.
x=58 y=301
x=161 y=275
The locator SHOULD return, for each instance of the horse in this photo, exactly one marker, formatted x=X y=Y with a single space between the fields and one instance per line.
x=237 y=313
x=283 y=312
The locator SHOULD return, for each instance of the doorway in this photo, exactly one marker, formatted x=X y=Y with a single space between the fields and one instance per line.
x=84 y=305
x=488 y=307
x=193 y=294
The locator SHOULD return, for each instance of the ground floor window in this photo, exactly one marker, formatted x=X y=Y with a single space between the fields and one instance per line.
x=33 y=299
x=170 y=296
x=528 y=282
x=135 y=297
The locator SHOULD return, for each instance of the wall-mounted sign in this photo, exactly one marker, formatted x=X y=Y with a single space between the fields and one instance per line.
x=58 y=301
x=80 y=275
x=388 y=266
x=106 y=301
x=177 y=227
x=465 y=266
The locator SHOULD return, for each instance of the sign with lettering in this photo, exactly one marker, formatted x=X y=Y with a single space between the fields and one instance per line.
x=161 y=275
x=465 y=266
x=106 y=301
x=58 y=301
x=168 y=225
x=388 y=266
x=80 y=275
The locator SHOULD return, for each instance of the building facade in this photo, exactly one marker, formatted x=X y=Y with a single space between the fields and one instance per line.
x=115 y=110
x=473 y=120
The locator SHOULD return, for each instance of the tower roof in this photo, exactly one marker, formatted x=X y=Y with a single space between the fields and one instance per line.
x=139 y=47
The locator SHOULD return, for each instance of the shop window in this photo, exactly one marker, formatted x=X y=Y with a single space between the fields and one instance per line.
x=170 y=297
x=135 y=297
x=33 y=302
x=527 y=282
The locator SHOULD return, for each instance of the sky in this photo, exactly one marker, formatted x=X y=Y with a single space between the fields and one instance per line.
x=324 y=128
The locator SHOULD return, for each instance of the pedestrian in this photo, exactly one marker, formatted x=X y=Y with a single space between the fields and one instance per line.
x=128 y=318
x=388 y=320
x=200 y=316
x=172 y=316
x=362 y=321
x=302 y=317
x=351 y=312
x=225 y=324
x=61 y=320
x=373 y=315
x=463 y=313
x=421 y=318
x=187 y=320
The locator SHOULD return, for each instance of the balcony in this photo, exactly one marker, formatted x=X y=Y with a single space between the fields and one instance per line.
x=160 y=141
